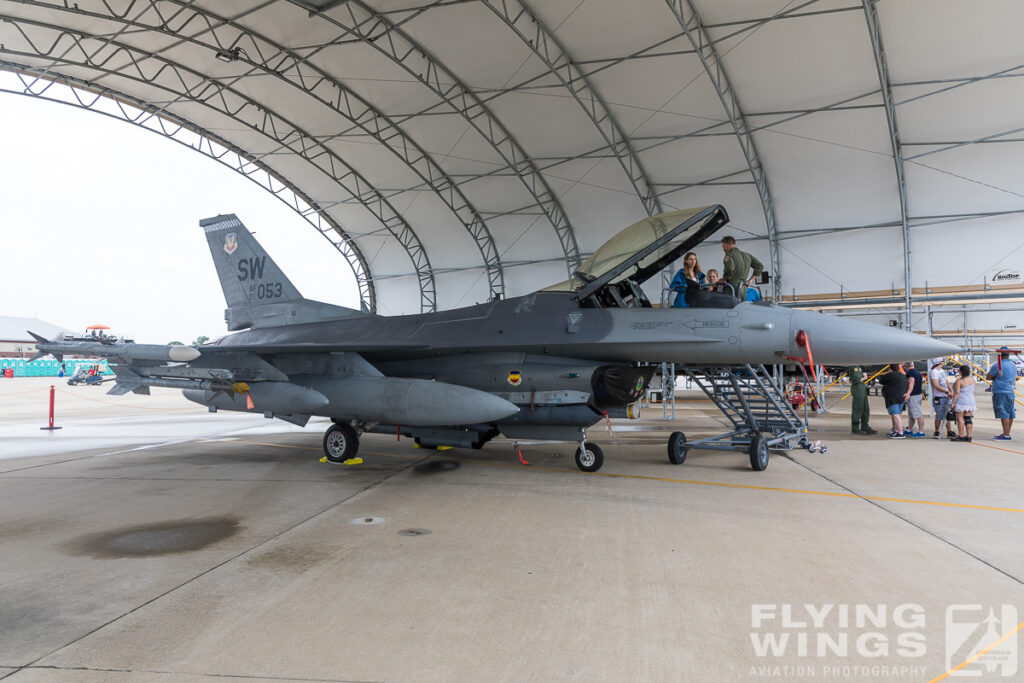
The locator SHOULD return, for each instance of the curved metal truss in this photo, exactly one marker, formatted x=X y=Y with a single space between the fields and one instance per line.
x=204 y=28
x=356 y=20
x=695 y=30
x=875 y=30
x=535 y=35
x=95 y=53
x=65 y=90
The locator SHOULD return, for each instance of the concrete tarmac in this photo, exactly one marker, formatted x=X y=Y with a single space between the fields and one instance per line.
x=150 y=541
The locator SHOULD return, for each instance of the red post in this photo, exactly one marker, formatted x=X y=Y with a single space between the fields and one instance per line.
x=51 y=427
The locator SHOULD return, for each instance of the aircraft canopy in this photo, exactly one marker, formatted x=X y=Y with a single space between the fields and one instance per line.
x=643 y=249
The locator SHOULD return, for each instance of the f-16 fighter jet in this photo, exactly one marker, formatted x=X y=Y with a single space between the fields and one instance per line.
x=542 y=366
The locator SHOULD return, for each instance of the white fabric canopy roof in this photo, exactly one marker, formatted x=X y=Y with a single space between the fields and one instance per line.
x=460 y=149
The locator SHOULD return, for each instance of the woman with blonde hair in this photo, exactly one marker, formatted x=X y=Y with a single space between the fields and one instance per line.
x=688 y=277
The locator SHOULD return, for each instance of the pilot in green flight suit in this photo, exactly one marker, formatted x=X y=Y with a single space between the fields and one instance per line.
x=859 y=392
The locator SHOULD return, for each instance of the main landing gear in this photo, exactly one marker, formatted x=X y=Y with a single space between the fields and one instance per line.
x=340 y=442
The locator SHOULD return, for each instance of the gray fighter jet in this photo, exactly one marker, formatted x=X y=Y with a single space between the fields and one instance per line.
x=542 y=366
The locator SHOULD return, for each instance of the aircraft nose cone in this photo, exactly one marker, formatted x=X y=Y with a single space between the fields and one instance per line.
x=842 y=341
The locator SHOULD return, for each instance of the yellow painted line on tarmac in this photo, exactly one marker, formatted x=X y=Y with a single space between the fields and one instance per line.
x=809 y=492
x=670 y=480
x=988 y=445
x=978 y=654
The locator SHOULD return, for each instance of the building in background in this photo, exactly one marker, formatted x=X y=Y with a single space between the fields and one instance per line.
x=16 y=342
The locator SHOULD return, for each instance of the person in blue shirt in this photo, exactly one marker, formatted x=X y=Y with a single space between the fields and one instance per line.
x=914 y=411
x=688 y=277
x=1003 y=375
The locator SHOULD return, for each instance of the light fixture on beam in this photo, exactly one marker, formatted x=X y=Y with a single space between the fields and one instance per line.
x=229 y=54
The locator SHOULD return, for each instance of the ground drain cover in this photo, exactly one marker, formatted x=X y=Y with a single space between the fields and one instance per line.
x=437 y=466
x=367 y=520
x=414 y=532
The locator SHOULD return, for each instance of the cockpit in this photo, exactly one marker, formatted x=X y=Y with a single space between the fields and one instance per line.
x=614 y=274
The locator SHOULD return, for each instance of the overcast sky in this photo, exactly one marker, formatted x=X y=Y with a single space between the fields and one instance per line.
x=99 y=223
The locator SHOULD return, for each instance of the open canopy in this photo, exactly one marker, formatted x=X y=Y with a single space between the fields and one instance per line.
x=643 y=249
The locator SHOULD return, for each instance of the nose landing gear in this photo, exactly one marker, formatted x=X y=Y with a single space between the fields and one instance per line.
x=589 y=457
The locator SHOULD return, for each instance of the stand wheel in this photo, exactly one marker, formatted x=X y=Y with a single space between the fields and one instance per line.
x=677 y=448
x=591 y=459
x=340 y=443
x=759 y=452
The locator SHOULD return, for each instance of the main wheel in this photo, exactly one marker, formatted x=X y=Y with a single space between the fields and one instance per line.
x=677 y=448
x=340 y=442
x=759 y=452
x=591 y=459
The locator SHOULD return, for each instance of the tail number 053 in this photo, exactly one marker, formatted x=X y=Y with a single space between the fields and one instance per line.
x=270 y=290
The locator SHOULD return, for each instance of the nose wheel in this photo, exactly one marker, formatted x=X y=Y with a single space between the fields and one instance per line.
x=340 y=443
x=589 y=457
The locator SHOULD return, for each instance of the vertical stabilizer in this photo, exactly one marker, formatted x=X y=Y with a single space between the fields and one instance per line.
x=247 y=274
x=257 y=291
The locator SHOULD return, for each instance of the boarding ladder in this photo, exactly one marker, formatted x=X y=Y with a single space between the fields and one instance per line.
x=751 y=400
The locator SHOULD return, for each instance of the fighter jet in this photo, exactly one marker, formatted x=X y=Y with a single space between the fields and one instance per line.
x=546 y=365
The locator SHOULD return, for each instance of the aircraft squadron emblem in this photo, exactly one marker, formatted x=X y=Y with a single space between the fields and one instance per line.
x=515 y=378
x=230 y=244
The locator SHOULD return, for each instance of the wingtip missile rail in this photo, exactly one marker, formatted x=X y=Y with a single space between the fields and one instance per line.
x=129 y=351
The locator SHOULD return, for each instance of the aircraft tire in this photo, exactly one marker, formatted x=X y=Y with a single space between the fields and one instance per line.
x=677 y=448
x=340 y=442
x=591 y=460
x=759 y=453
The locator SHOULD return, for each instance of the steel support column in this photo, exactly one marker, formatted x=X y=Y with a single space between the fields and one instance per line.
x=875 y=31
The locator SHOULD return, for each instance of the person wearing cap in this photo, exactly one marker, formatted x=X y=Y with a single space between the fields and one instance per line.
x=941 y=395
x=860 y=411
x=737 y=265
x=1003 y=375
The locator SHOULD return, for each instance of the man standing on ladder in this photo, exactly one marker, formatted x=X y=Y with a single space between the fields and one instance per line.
x=737 y=266
x=859 y=393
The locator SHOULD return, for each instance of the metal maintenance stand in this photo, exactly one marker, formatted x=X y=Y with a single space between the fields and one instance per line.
x=754 y=404
x=668 y=391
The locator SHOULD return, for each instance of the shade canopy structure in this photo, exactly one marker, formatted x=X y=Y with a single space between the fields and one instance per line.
x=458 y=150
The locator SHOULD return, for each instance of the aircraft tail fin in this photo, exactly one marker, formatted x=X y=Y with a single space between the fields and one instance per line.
x=43 y=340
x=256 y=290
